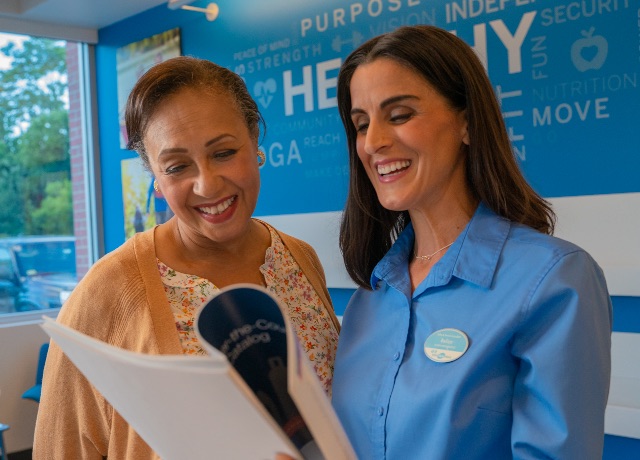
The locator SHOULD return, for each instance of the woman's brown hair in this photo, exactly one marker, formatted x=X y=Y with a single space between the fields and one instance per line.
x=169 y=77
x=449 y=65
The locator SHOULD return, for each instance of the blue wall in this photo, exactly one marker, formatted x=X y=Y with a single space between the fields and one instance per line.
x=566 y=72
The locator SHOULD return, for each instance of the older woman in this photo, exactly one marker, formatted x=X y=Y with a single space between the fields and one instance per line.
x=474 y=333
x=196 y=128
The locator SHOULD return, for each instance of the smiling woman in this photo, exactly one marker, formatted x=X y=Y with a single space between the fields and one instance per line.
x=464 y=294
x=196 y=129
x=426 y=166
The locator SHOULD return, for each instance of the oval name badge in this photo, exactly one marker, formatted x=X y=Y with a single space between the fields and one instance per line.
x=446 y=345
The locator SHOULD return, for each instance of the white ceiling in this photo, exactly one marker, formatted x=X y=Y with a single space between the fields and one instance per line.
x=70 y=19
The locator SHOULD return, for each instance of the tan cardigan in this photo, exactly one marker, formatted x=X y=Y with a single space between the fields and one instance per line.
x=121 y=301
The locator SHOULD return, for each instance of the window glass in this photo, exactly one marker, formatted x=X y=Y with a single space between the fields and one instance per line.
x=37 y=244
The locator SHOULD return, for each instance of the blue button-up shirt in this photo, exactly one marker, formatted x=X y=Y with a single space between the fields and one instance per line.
x=534 y=380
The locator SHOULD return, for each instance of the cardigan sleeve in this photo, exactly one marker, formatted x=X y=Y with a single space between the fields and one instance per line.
x=74 y=420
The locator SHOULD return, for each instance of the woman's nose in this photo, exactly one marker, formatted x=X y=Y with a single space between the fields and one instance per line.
x=207 y=184
x=377 y=138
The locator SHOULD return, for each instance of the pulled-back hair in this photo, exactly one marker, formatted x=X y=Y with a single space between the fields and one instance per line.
x=169 y=77
x=452 y=68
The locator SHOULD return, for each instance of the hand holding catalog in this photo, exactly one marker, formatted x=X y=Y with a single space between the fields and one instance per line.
x=255 y=395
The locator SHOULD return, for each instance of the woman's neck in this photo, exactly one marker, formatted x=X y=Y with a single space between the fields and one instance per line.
x=439 y=226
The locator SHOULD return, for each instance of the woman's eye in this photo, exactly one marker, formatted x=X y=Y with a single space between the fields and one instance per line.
x=400 y=118
x=173 y=169
x=361 y=127
x=224 y=154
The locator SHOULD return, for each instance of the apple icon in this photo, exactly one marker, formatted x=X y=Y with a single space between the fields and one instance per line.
x=596 y=46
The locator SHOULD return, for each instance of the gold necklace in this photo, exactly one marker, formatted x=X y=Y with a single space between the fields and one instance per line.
x=430 y=256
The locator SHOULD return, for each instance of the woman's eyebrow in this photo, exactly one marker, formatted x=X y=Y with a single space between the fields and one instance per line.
x=386 y=102
x=206 y=144
x=216 y=139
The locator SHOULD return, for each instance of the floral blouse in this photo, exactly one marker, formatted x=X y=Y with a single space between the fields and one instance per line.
x=283 y=278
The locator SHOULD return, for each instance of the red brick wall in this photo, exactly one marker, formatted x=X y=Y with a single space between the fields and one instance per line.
x=76 y=146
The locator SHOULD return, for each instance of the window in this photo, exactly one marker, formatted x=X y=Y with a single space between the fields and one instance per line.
x=45 y=230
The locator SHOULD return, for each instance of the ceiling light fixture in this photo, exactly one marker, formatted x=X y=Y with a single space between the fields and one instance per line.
x=211 y=11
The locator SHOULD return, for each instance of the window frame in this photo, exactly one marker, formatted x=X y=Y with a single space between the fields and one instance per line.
x=84 y=150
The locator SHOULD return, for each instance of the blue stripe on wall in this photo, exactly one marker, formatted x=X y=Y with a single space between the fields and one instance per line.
x=340 y=298
x=626 y=318
x=620 y=448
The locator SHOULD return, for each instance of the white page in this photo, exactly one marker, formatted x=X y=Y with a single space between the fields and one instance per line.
x=315 y=407
x=183 y=407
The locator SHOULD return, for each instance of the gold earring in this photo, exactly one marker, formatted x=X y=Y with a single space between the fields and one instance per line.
x=262 y=158
x=155 y=186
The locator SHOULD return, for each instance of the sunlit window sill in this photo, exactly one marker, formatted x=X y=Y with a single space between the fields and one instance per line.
x=27 y=317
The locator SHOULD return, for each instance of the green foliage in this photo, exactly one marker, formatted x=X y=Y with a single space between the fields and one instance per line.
x=55 y=214
x=35 y=83
x=11 y=210
x=45 y=145
x=34 y=139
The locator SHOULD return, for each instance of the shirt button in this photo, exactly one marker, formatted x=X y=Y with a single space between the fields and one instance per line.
x=380 y=411
x=396 y=356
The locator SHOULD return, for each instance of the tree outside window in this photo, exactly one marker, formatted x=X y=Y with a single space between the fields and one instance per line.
x=35 y=172
x=34 y=139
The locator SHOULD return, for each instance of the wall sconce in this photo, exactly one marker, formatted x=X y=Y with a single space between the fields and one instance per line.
x=211 y=11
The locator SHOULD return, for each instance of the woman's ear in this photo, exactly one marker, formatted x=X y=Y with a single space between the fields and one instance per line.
x=465 y=137
x=465 y=125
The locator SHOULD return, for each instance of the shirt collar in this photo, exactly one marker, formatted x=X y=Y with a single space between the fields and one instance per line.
x=473 y=257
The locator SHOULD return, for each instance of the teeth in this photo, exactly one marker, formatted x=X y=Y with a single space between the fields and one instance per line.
x=218 y=209
x=392 y=167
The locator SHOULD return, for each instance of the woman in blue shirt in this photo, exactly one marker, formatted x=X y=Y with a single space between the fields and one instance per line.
x=474 y=334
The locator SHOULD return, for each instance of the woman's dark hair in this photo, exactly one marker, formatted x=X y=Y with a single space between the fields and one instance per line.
x=449 y=65
x=169 y=77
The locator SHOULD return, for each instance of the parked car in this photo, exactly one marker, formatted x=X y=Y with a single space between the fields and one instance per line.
x=36 y=272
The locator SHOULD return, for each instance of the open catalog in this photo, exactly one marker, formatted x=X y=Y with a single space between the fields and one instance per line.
x=255 y=395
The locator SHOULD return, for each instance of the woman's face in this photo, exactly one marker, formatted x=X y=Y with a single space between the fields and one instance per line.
x=409 y=140
x=205 y=162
